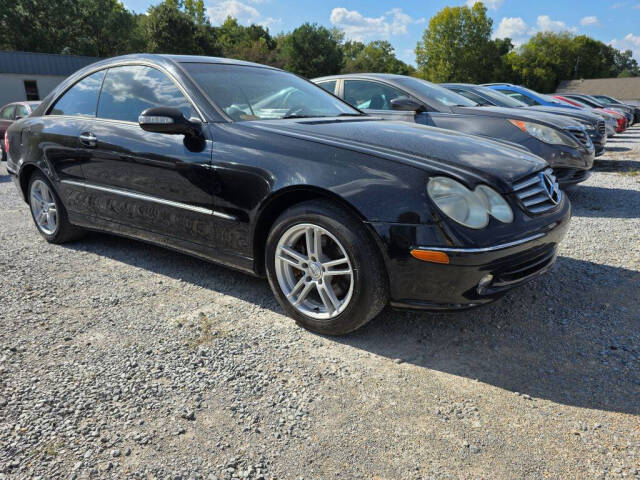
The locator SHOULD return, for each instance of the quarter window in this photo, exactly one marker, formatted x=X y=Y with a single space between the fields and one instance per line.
x=7 y=113
x=329 y=86
x=370 y=95
x=81 y=99
x=129 y=90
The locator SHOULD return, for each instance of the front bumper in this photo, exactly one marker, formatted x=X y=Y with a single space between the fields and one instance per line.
x=462 y=283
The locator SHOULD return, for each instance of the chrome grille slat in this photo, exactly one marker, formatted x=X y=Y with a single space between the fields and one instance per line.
x=535 y=200
x=533 y=192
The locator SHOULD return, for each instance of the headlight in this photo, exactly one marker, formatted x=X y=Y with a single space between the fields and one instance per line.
x=467 y=207
x=544 y=134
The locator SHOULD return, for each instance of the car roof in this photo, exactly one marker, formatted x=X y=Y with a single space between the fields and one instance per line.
x=448 y=84
x=380 y=76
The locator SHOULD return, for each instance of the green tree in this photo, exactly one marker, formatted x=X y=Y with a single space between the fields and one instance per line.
x=312 y=50
x=377 y=56
x=170 y=30
x=457 y=46
x=252 y=43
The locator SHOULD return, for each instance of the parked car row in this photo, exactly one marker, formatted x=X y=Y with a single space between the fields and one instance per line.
x=372 y=190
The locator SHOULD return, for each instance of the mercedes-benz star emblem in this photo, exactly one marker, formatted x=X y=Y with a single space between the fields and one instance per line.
x=551 y=187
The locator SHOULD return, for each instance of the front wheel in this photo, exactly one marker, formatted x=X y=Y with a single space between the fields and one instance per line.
x=325 y=269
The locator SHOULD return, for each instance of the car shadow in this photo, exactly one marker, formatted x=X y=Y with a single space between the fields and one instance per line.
x=559 y=339
x=618 y=149
x=590 y=201
x=562 y=338
x=615 y=165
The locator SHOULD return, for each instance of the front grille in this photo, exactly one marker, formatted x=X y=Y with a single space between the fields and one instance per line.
x=601 y=127
x=580 y=134
x=539 y=192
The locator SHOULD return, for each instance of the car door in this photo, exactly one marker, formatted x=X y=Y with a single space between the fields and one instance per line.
x=57 y=134
x=147 y=181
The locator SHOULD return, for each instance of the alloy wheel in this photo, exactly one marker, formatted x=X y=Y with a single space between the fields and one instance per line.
x=43 y=207
x=314 y=271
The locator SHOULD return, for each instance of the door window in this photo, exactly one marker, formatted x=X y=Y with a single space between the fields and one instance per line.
x=21 y=111
x=129 y=90
x=81 y=99
x=521 y=97
x=370 y=95
x=7 y=112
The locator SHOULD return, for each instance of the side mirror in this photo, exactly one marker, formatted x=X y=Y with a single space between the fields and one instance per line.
x=405 y=104
x=168 y=120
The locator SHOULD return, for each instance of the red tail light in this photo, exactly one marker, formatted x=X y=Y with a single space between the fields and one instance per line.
x=6 y=143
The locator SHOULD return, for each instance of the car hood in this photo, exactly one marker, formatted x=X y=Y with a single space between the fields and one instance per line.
x=468 y=157
x=570 y=112
x=521 y=114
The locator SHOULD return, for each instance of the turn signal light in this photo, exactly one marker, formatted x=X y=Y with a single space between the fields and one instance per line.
x=430 y=256
x=519 y=124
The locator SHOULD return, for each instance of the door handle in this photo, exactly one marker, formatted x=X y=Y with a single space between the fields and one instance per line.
x=88 y=139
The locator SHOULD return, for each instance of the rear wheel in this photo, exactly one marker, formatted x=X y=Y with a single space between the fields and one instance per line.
x=325 y=269
x=48 y=212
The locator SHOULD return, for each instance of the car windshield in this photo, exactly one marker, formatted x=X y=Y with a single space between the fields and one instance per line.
x=256 y=93
x=435 y=92
x=500 y=98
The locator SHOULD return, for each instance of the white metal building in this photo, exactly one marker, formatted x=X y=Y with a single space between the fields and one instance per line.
x=31 y=76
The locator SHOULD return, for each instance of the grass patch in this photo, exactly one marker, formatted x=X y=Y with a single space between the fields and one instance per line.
x=207 y=331
x=631 y=173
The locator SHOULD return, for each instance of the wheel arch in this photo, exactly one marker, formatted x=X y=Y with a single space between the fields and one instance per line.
x=280 y=201
x=25 y=174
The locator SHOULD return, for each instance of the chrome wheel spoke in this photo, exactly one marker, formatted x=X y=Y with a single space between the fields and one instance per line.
x=303 y=294
x=328 y=297
x=293 y=258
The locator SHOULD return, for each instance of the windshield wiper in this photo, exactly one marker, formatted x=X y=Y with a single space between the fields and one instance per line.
x=297 y=116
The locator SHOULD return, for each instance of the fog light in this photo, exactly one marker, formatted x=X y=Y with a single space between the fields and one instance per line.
x=485 y=282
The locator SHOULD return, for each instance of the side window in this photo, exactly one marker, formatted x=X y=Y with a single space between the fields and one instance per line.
x=31 y=90
x=521 y=97
x=81 y=99
x=329 y=86
x=129 y=90
x=370 y=95
x=21 y=111
x=7 y=112
x=472 y=96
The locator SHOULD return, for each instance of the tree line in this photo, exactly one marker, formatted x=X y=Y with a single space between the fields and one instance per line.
x=455 y=47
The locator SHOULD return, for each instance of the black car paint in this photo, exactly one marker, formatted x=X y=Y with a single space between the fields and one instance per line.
x=481 y=121
x=598 y=139
x=216 y=200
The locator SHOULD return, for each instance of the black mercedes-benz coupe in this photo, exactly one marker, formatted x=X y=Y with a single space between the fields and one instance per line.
x=263 y=171
x=562 y=142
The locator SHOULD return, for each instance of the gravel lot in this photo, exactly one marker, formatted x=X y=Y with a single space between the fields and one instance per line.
x=122 y=360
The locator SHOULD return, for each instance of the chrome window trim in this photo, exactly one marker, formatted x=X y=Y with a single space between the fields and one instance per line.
x=484 y=249
x=149 y=198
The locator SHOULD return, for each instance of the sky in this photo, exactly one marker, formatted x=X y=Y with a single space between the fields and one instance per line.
x=402 y=23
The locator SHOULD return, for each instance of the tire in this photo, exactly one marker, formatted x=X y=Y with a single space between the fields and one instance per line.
x=60 y=231
x=345 y=246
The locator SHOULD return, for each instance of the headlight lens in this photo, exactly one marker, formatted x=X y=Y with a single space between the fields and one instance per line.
x=467 y=207
x=544 y=133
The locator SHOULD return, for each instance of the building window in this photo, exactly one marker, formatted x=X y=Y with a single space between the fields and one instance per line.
x=31 y=89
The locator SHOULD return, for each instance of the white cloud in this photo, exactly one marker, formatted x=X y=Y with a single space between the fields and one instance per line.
x=628 y=42
x=591 y=20
x=244 y=13
x=490 y=4
x=358 y=27
x=512 y=27
x=545 y=24
x=519 y=31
